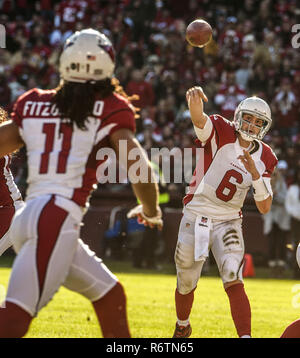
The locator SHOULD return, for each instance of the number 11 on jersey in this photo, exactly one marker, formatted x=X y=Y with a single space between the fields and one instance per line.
x=49 y=131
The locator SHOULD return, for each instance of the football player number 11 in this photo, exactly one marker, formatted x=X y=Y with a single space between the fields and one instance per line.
x=226 y=189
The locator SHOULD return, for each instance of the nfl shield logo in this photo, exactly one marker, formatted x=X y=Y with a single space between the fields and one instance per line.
x=204 y=220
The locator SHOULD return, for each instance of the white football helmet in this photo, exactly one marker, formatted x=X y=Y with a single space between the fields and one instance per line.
x=258 y=108
x=88 y=55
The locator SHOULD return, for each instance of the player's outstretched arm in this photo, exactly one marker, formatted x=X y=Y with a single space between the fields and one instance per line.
x=195 y=97
x=10 y=139
x=262 y=197
x=146 y=190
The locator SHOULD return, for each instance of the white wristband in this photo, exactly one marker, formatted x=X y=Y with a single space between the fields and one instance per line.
x=260 y=191
x=204 y=133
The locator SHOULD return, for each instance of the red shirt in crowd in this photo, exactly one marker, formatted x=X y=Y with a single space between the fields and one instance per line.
x=143 y=90
x=228 y=98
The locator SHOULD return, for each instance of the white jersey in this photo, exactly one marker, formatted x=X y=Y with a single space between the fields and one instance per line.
x=221 y=182
x=62 y=159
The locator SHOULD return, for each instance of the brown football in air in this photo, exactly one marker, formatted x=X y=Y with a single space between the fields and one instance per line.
x=198 y=33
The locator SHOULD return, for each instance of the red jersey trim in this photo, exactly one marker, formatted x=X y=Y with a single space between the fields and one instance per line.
x=123 y=118
x=268 y=157
x=225 y=131
x=115 y=112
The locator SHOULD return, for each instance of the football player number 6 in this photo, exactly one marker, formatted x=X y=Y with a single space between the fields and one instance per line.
x=226 y=188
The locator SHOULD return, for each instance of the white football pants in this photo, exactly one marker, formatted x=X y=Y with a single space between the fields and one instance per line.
x=44 y=234
x=226 y=243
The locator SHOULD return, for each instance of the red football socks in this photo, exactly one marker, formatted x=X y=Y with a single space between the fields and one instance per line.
x=111 y=313
x=184 y=304
x=14 y=321
x=240 y=309
x=292 y=331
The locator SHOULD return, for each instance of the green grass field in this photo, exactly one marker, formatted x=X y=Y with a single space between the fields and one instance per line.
x=151 y=310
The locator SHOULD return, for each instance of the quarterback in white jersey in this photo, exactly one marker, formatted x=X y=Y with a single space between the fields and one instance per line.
x=62 y=130
x=235 y=159
x=225 y=183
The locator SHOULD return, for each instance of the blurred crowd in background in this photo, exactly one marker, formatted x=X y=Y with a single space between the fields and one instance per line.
x=251 y=54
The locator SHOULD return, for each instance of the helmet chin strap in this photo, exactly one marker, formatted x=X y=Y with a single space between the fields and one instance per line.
x=246 y=136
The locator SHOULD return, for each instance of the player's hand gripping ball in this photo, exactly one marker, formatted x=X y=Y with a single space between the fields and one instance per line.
x=198 y=33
